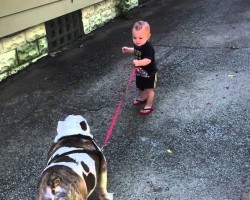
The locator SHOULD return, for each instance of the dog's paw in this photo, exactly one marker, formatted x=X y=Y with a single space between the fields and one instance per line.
x=106 y=196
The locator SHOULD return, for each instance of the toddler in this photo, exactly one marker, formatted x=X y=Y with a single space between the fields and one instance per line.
x=144 y=62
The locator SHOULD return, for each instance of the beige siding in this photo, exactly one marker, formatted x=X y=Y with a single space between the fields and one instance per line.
x=16 y=6
x=34 y=13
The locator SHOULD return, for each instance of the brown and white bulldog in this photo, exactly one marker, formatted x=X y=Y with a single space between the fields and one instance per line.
x=75 y=166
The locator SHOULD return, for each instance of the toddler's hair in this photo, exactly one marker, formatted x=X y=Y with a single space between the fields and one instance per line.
x=141 y=24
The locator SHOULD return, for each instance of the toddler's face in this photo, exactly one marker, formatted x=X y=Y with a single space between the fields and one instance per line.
x=140 y=37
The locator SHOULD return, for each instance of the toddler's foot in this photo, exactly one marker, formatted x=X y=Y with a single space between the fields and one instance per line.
x=138 y=102
x=146 y=110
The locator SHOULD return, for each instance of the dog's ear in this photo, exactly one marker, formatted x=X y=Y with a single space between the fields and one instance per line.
x=56 y=182
x=84 y=125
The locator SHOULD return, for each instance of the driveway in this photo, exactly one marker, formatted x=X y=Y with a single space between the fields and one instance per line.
x=194 y=146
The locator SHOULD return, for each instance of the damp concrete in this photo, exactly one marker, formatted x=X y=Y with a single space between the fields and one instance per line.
x=194 y=146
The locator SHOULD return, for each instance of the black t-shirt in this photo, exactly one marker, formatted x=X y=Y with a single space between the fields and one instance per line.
x=146 y=51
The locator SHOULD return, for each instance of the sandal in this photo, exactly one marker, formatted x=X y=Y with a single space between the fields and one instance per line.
x=138 y=102
x=146 y=110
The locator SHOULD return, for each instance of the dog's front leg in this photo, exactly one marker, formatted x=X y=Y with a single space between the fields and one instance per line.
x=102 y=183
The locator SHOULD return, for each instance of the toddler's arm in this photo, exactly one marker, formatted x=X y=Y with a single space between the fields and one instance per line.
x=127 y=50
x=141 y=63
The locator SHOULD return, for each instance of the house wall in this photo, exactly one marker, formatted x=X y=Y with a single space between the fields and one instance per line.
x=26 y=43
x=15 y=15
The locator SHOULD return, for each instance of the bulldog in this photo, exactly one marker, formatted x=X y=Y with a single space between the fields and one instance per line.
x=75 y=165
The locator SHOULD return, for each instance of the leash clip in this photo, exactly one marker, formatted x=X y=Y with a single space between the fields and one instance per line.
x=102 y=148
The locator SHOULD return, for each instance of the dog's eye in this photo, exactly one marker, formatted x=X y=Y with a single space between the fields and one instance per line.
x=83 y=125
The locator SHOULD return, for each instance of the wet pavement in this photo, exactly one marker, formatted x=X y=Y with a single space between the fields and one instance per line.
x=194 y=146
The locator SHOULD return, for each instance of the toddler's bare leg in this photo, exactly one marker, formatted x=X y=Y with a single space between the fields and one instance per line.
x=143 y=94
x=150 y=94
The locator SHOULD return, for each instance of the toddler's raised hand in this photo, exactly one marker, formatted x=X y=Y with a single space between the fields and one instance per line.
x=124 y=49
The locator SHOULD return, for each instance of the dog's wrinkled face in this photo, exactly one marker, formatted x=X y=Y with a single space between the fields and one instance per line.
x=72 y=125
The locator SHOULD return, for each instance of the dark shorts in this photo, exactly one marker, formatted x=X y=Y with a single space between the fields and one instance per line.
x=143 y=83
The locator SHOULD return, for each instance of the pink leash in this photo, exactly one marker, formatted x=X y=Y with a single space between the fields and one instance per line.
x=117 y=112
